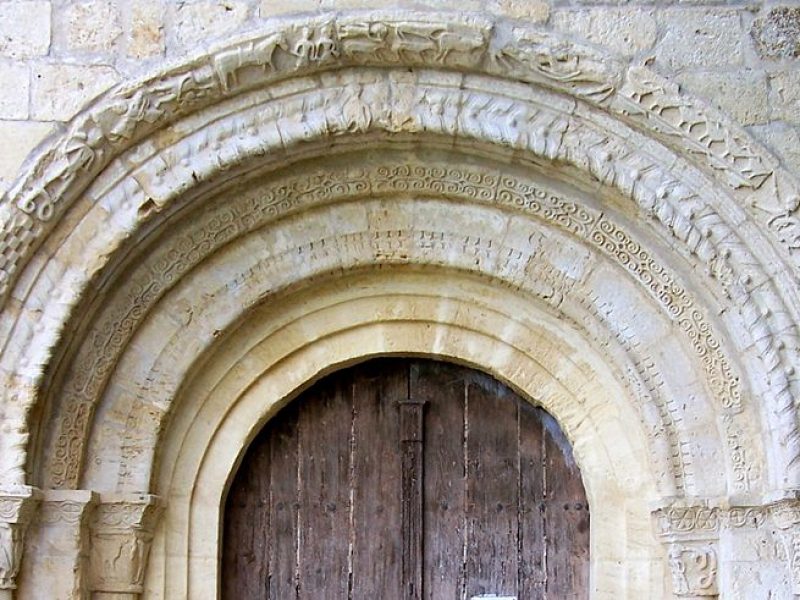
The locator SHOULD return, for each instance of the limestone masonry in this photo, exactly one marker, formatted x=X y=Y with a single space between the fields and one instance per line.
x=208 y=204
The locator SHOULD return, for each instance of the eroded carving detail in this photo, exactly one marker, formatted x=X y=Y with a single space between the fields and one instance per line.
x=90 y=375
x=660 y=102
x=694 y=569
x=126 y=114
x=122 y=531
x=17 y=508
x=786 y=517
x=691 y=534
x=535 y=56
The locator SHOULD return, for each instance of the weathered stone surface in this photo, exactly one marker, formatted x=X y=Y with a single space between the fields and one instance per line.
x=532 y=11
x=785 y=96
x=740 y=93
x=91 y=26
x=625 y=31
x=14 y=91
x=645 y=295
x=776 y=34
x=146 y=36
x=783 y=139
x=26 y=136
x=269 y=8
x=700 y=37
x=59 y=90
x=204 y=20
x=24 y=28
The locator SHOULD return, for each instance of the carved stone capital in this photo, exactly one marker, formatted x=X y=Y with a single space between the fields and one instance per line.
x=691 y=535
x=17 y=508
x=786 y=519
x=122 y=530
x=694 y=569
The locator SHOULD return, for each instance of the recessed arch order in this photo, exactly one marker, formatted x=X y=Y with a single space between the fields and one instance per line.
x=358 y=184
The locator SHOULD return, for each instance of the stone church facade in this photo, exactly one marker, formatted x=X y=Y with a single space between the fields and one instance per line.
x=210 y=204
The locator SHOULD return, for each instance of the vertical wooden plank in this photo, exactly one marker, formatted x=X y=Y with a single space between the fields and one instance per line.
x=245 y=555
x=566 y=518
x=324 y=495
x=283 y=505
x=410 y=439
x=491 y=489
x=376 y=481
x=445 y=479
x=531 y=546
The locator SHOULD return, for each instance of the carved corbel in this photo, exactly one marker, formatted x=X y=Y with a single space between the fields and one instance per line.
x=786 y=518
x=17 y=508
x=122 y=531
x=691 y=535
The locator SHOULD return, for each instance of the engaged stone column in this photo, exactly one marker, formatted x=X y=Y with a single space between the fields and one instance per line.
x=122 y=531
x=786 y=519
x=691 y=535
x=17 y=507
x=58 y=545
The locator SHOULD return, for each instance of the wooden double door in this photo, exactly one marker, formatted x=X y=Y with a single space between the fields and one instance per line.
x=407 y=479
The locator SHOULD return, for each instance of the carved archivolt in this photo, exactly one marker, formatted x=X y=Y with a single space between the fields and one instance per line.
x=587 y=154
x=521 y=266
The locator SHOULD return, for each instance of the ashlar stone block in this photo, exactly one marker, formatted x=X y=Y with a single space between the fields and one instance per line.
x=741 y=93
x=146 y=29
x=91 y=26
x=60 y=90
x=700 y=37
x=785 y=96
x=625 y=31
x=14 y=91
x=200 y=21
x=26 y=136
x=24 y=29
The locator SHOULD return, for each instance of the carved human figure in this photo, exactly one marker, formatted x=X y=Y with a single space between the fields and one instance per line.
x=694 y=570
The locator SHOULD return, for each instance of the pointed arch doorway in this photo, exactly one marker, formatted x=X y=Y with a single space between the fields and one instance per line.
x=407 y=478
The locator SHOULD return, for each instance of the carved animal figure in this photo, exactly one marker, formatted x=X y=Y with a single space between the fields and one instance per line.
x=460 y=42
x=363 y=38
x=414 y=39
x=255 y=53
